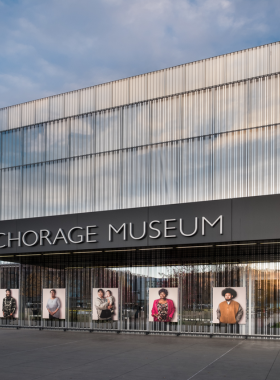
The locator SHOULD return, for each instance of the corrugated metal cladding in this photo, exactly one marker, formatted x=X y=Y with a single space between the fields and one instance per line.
x=258 y=61
x=210 y=143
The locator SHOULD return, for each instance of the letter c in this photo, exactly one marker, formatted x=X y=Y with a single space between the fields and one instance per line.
x=2 y=246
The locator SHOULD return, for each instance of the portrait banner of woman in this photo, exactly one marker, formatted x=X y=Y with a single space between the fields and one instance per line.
x=105 y=304
x=54 y=300
x=163 y=304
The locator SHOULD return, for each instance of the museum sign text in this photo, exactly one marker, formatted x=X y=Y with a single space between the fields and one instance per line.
x=155 y=229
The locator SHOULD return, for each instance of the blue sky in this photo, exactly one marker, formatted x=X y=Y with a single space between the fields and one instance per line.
x=54 y=46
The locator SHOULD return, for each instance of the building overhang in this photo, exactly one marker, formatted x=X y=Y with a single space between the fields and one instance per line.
x=219 y=222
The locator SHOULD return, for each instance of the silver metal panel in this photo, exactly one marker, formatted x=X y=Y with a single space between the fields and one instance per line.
x=27 y=114
x=107 y=178
x=196 y=170
x=72 y=103
x=214 y=71
x=82 y=135
x=57 y=107
x=4 y=118
x=42 y=110
x=263 y=161
x=14 y=116
x=136 y=125
x=164 y=174
x=230 y=107
x=108 y=130
x=33 y=145
x=214 y=143
x=33 y=190
x=230 y=166
x=135 y=177
x=81 y=184
x=57 y=180
x=166 y=119
x=57 y=139
x=138 y=88
x=11 y=148
x=120 y=91
x=87 y=100
x=197 y=113
x=11 y=193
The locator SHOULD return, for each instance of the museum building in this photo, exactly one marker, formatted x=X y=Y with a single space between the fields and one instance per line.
x=161 y=186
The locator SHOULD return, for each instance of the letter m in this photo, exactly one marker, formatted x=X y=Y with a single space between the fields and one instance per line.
x=220 y=219
x=123 y=226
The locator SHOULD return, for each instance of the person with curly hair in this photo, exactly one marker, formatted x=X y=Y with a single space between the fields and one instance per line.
x=163 y=309
x=229 y=311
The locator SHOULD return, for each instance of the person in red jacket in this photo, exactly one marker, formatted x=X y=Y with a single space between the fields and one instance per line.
x=163 y=309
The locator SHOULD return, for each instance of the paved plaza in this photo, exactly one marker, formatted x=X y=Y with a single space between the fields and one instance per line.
x=33 y=354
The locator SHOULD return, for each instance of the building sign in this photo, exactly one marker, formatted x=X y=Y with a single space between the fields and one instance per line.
x=89 y=234
x=253 y=218
x=162 y=225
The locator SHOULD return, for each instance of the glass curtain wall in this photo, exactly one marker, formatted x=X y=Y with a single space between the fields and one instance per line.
x=217 y=143
x=134 y=276
x=233 y=67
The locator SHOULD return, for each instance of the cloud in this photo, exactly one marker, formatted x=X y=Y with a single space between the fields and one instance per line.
x=52 y=47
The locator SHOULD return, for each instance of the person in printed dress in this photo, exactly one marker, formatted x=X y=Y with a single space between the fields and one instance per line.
x=163 y=308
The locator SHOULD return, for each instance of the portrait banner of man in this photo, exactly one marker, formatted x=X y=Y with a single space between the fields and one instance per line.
x=163 y=304
x=54 y=301
x=229 y=305
x=105 y=304
x=9 y=300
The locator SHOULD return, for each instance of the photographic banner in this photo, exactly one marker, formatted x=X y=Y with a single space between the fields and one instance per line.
x=163 y=304
x=10 y=305
x=105 y=304
x=54 y=302
x=229 y=305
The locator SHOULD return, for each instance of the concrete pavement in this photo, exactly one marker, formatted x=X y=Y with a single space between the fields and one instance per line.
x=32 y=354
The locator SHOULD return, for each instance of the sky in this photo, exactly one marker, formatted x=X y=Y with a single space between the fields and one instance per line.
x=54 y=46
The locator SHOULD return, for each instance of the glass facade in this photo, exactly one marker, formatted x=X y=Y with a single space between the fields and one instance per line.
x=193 y=271
x=203 y=131
x=216 y=143
x=228 y=68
